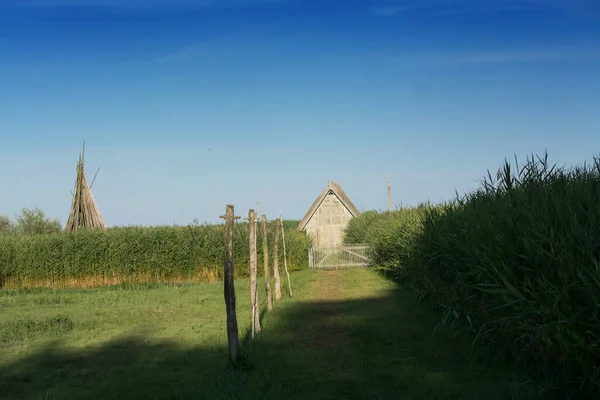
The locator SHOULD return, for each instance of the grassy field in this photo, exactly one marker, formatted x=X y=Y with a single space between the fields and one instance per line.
x=346 y=334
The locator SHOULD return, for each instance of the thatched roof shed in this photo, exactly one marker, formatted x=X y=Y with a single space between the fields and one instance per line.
x=328 y=216
x=84 y=210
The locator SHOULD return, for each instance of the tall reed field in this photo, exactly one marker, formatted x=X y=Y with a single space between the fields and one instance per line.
x=391 y=235
x=191 y=253
x=516 y=263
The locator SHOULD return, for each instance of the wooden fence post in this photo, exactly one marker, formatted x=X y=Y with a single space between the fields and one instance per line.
x=276 y=261
x=285 y=257
x=266 y=263
x=229 y=291
x=253 y=272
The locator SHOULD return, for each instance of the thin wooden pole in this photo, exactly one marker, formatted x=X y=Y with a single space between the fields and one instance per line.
x=389 y=193
x=229 y=288
x=253 y=272
x=266 y=263
x=285 y=257
x=276 y=261
x=257 y=212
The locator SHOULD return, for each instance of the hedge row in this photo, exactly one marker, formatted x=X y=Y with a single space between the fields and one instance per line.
x=517 y=262
x=134 y=254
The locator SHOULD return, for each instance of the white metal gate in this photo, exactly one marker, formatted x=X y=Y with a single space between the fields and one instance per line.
x=338 y=257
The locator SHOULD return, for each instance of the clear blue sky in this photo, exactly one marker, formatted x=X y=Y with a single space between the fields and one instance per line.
x=286 y=94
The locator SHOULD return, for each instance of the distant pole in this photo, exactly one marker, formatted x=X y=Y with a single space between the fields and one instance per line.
x=253 y=272
x=229 y=291
x=285 y=255
x=256 y=221
x=266 y=263
x=276 y=260
x=389 y=193
x=257 y=213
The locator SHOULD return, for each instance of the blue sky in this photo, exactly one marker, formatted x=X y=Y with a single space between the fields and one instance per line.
x=187 y=106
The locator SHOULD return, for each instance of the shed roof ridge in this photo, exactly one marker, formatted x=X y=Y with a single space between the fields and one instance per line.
x=337 y=190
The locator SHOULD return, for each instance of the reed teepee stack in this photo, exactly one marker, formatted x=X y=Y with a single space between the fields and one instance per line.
x=84 y=211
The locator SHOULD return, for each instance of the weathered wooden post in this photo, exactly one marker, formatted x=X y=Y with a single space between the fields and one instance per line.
x=232 y=328
x=253 y=271
x=266 y=263
x=285 y=257
x=276 y=261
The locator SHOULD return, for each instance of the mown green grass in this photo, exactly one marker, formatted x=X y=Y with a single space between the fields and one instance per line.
x=346 y=334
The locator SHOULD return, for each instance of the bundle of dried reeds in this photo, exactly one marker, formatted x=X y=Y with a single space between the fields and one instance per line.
x=84 y=210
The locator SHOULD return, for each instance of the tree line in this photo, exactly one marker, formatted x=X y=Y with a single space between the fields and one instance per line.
x=29 y=222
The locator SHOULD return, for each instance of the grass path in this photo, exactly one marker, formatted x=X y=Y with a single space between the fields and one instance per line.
x=345 y=335
x=373 y=342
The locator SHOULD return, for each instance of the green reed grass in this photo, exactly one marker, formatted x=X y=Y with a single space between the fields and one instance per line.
x=132 y=254
x=517 y=262
x=391 y=235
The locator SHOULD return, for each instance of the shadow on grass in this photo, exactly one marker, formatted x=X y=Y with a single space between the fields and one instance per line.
x=373 y=348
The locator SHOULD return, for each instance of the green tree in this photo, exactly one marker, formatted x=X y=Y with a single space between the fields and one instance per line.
x=34 y=221
x=6 y=225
